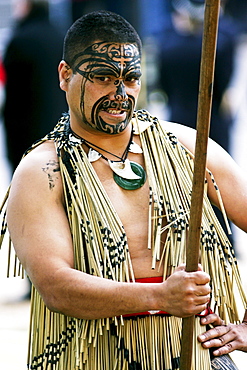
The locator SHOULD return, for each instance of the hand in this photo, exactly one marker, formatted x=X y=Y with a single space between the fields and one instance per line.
x=187 y=293
x=224 y=338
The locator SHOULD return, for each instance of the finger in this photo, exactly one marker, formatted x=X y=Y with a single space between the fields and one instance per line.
x=214 y=336
x=202 y=300
x=200 y=307
x=201 y=277
x=221 y=345
x=212 y=318
x=203 y=289
x=180 y=267
x=228 y=348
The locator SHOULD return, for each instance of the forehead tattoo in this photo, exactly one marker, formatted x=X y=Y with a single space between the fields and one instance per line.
x=114 y=58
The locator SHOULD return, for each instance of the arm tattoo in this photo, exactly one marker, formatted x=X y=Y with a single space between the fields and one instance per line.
x=51 y=168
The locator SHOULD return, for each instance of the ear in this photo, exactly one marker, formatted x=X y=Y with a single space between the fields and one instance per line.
x=65 y=73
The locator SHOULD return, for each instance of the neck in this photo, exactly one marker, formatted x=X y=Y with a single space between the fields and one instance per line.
x=114 y=147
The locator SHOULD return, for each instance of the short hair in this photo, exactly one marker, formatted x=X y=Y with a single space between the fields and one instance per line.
x=99 y=25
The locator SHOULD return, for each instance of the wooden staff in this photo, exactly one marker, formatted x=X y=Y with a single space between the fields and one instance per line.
x=209 y=42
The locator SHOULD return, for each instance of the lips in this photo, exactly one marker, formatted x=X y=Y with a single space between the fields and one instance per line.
x=112 y=116
x=114 y=111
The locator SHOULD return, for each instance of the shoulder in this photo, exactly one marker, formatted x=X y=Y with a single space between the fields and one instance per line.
x=37 y=158
x=217 y=157
x=185 y=135
x=38 y=174
x=231 y=180
x=36 y=215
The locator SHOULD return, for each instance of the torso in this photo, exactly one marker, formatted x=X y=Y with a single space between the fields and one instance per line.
x=132 y=208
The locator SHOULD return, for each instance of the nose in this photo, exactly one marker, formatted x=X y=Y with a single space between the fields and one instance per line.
x=121 y=92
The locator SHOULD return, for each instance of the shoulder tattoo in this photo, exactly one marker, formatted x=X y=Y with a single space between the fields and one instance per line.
x=51 y=168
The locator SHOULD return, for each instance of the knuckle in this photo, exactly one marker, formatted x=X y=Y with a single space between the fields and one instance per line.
x=208 y=289
x=218 y=332
x=187 y=310
x=229 y=348
x=190 y=290
x=221 y=339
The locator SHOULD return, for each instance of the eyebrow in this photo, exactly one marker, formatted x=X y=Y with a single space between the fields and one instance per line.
x=103 y=71
x=136 y=73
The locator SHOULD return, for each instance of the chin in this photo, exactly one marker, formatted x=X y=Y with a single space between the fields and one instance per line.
x=110 y=127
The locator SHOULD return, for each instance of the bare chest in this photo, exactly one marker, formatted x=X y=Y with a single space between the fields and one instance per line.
x=132 y=207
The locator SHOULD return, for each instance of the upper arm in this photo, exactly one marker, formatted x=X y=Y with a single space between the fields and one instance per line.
x=232 y=183
x=230 y=178
x=37 y=220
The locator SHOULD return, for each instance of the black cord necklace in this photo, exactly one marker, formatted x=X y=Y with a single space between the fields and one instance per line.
x=127 y=174
x=121 y=159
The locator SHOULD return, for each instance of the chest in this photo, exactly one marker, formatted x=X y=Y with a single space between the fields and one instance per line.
x=130 y=205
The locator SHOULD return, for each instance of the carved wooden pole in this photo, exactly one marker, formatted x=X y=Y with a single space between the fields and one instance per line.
x=209 y=42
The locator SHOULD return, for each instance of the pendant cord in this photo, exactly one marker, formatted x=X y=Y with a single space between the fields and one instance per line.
x=128 y=175
x=91 y=145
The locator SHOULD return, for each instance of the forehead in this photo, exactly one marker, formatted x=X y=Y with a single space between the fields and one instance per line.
x=115 y=51
x=103 y=53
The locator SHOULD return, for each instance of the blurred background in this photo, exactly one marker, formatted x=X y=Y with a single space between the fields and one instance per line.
x=31 y=37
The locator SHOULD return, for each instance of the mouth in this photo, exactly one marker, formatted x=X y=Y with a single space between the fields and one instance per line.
x=113 y=115
x=115 y=111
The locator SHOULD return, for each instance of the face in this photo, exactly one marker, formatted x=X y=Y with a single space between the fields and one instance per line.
x=108 y=84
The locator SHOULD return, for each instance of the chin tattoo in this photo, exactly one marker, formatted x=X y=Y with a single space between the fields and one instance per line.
x=105 y=104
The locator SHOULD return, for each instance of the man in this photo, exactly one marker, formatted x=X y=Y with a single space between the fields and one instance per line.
x=98 y=214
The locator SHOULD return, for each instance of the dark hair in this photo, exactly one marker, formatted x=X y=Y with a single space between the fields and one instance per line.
x=98 y=26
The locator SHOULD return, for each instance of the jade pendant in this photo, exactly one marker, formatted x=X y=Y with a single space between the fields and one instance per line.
x=132 y=184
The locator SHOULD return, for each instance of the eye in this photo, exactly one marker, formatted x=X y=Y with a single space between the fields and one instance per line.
x=133 y=79
x=102 y=79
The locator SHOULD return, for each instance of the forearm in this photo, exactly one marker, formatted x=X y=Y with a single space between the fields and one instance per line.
x=80 y=295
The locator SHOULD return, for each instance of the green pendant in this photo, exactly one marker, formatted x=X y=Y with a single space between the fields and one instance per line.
x=130 y=184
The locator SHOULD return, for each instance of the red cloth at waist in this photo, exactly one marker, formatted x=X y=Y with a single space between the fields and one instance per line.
x=159 y=279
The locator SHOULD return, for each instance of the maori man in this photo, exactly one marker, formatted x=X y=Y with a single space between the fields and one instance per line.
x=98 y=213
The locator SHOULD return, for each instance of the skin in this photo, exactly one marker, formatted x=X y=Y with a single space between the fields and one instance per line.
x=113 y=66
x=39 y=227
